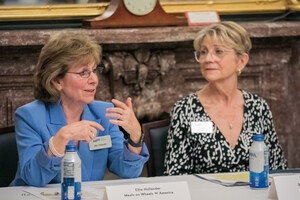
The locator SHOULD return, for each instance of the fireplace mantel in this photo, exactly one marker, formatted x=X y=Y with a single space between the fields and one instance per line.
x=146 y=35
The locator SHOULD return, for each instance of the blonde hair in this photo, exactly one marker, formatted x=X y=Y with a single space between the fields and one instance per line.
x=55 y=58
x=229 y=33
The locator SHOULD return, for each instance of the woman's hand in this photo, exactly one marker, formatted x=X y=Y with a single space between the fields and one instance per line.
x=125 y=117
x=83 y=130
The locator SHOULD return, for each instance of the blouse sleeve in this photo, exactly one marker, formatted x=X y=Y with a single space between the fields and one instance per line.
x=179 y=154
x=276 y=156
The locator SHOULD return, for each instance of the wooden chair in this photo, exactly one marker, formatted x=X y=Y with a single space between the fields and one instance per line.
x=156 y=138
x=8 y=155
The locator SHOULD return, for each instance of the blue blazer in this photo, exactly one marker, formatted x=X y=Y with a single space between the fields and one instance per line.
x=37 y=122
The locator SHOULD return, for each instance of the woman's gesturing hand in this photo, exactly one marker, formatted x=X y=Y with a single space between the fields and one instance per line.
x=83 y=130
x=124 y=116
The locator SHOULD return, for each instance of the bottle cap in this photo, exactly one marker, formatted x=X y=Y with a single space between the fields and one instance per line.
x=258 y=137
x=71 y=146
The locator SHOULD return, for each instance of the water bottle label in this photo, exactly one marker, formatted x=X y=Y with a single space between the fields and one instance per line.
x=256 y=162
x=71 y=170
x=266 y=157
x=259 y=180
x=68 y=169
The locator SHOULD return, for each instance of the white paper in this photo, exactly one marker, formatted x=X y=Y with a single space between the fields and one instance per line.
x=285 y=187
x=202 y=17
x=54 y=193
x=157 y=191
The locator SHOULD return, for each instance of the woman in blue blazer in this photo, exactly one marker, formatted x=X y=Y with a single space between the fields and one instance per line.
x=65 y=84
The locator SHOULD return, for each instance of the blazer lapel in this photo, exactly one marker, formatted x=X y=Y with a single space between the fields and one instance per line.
x=57 y=118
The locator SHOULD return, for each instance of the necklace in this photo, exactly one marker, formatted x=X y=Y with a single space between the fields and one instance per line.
x=230 y=123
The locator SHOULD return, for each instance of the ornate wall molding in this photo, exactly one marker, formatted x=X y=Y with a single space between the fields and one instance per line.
x=139 y=67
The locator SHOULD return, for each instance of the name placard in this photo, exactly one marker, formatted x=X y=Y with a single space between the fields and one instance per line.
x=285 y=187
x=157 y=191
x=202 y=17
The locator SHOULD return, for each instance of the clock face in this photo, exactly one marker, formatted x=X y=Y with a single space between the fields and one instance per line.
x=140 y=7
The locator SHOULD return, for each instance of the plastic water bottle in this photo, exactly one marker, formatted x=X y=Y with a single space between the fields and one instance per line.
x=71 y=174
x=259 y=163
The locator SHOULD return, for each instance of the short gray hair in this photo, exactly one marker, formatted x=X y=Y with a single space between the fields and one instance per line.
x=229 y=33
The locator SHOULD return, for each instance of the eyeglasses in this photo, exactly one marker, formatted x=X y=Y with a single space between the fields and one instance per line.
x=218 y=53
x=87 y=73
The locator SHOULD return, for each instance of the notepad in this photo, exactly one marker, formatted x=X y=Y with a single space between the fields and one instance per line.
x=227 y=179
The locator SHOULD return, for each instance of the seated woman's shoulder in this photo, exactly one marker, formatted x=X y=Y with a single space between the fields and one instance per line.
x=34 y=105
x=253 y=98
x=185 y=100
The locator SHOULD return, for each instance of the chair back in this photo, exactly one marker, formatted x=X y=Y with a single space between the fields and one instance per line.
x=156 y=138
x=8 y=156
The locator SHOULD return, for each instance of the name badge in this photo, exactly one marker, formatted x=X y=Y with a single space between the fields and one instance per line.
x=202 y=127
x=101 y=142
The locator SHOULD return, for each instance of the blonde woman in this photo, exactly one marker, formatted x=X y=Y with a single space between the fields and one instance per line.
x=211 y=130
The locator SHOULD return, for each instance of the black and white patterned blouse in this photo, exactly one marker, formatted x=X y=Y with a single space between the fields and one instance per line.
x=189 y=153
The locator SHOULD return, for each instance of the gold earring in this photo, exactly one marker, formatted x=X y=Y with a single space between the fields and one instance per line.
x=239 y=71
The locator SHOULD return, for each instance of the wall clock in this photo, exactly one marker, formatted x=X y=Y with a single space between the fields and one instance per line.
x=134 y=13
